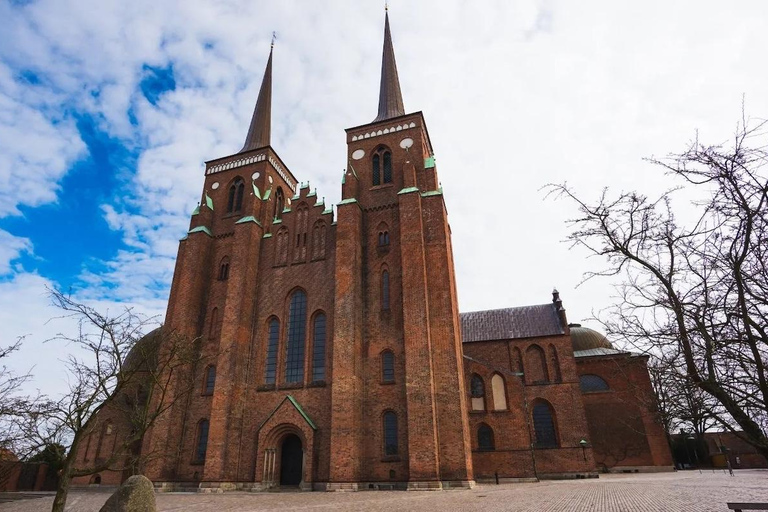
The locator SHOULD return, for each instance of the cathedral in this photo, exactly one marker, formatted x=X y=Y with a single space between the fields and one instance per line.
x=334 y=353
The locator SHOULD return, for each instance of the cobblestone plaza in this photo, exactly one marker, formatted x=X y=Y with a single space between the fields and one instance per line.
x=690 y=490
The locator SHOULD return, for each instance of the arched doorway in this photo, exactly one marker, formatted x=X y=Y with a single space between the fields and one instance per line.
x=291 y=460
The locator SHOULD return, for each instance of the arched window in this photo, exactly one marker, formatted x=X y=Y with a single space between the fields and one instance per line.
x=390 y=433
x=318 y=348
x=499 y=393
x=485 y=439
x=210 y=380
x=103 y=446
x=224 y=269
x=477 y=390
x=555 y=363
x=383 y=238
x=213 y=329
x=590 y=383
x=96 y=480
x=544 y=425
x=279 y=203
x=202 y=441
x=273 y=338
x=281 y=247
x=235 y=200
x=387 y=167
x=536 y=366
x=297 y=324
x=387 y=366
x=376 y=169
x=385 y=290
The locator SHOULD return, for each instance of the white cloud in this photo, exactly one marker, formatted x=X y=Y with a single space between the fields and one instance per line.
x=516 y=95
x=11 y=248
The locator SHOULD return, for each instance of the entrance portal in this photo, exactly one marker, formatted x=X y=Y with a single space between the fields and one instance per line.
x=291 y=460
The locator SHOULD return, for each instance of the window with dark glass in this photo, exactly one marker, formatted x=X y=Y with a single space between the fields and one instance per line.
x=224 y=269
x=318 y=348
x=387 y=167
x=477 y=393
x=544 y=426
x=485 y=437
x=210 y=380
x=376 y=169
x=202 y=440
x=272 y=342
x=590 y=383
x=297 y=320
x=385 y=290
x=387 y=366
x=390 y=433
x=383 y=238
x=235 y=199
x=279 y=203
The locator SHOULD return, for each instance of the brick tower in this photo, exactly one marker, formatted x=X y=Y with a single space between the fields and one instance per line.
x=396 y=306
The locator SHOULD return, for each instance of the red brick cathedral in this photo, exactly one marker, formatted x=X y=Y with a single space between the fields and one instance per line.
x=336 y=354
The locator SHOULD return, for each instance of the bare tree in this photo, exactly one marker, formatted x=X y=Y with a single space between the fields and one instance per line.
x=118 y=376
x=695 y=291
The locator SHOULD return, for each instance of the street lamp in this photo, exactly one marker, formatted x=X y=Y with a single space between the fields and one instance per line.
x=583 y=444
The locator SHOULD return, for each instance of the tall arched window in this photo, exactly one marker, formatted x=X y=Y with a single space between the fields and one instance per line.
x=485 y=439
x=390 y=433
x=477 y=390
x=213 y=329
x=385 y=290
x=210 y=380
x=294 y=348
x=224 y=269
x=376 y=169
x=387 y=167
x=590 y=383
x=536 y=366
x=273 y=337
x=235 y=200
x=202 y=441
x=279 y=203
x=318 y=348
x=387 y=366
x=544 y=425
x=499 y=393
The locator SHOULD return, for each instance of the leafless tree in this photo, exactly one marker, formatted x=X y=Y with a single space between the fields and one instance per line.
x=695 y=291
x=116 y=373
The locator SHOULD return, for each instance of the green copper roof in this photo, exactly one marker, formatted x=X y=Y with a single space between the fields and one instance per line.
x=437 y=192
x=196 y=211
x=348 y=201
x=286 y=210
x=408 y=190
x=208 y=201
x=277 y=221
x=303 y=185
x=327 y=211
x=183 y=238
x=201 y=229
x=266 y=195
x=256 y=191
x=267 y=235
x=249 y=218
x=429 y=162
x=301 y=411
x=312 y=194
x=344 y=177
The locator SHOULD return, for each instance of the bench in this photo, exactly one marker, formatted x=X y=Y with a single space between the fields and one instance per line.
x=738 y=507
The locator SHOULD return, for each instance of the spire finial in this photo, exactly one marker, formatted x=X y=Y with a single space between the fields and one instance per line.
x=386 y=6
x=390 y=97
x=261 y=122
x=274 y=38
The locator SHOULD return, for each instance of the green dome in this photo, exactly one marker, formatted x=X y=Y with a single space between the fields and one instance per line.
x=584 y=338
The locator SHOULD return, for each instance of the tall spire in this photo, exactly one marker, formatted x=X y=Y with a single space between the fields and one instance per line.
x=390 y=97
x=261 y=122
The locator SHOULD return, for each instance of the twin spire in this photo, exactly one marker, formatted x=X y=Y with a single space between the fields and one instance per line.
x=390 y=97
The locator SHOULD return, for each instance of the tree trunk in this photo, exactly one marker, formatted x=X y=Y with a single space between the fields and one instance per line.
x=65 y=479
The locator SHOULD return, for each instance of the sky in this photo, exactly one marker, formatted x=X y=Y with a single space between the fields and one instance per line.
x=108 y=110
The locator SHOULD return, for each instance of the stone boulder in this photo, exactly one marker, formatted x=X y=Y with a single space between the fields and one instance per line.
x=137 y=494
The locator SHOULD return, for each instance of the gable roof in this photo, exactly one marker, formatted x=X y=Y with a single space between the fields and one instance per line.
x=298 y=407
x=511 y=323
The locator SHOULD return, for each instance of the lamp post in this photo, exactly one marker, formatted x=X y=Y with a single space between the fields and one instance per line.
x=583 y=444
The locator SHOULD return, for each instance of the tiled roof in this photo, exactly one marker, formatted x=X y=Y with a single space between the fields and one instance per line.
x=510 y=323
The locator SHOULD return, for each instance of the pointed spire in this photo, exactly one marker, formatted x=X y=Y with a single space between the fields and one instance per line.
x=261 y=122
x=390 y=97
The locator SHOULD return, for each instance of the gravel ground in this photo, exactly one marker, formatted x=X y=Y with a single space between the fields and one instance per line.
x=689 y=490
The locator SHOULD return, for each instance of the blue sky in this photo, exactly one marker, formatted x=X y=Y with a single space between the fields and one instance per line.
x=108 y=110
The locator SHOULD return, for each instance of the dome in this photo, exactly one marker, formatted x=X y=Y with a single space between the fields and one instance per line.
x=584 y=338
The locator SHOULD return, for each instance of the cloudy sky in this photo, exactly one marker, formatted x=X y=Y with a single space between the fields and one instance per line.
x=108 y=110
